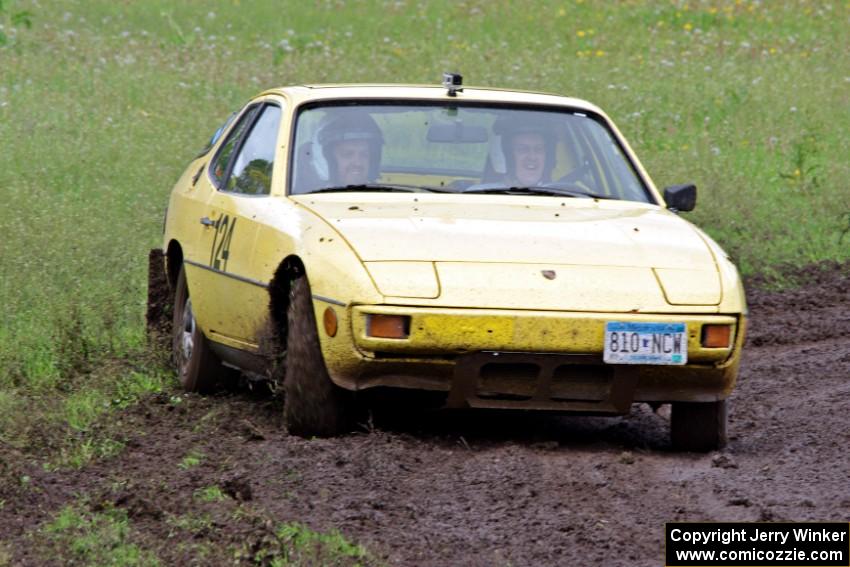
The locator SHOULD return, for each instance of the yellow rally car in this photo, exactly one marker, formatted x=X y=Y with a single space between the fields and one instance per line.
x=506 y=249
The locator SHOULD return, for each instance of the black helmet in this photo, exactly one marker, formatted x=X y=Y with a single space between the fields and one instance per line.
x=342 y=125
x=526 y=123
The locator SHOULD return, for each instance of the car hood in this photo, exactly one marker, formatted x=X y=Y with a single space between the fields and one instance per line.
x=471 y=239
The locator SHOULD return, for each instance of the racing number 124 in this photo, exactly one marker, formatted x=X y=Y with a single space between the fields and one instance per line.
x=220 y=251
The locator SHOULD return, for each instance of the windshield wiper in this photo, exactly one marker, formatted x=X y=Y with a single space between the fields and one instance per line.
x=389 y=187
x=574 y=191
x=549 y=189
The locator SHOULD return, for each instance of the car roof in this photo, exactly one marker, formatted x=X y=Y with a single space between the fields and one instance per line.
x=306 y=93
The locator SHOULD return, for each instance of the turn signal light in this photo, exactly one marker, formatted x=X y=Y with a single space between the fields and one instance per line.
x=716 y=336
x=388 y=326
x=330 y=321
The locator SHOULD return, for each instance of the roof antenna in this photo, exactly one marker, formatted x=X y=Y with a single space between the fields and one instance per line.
x=453 y=82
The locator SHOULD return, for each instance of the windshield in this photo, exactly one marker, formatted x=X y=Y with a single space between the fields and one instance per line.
x=448 y=147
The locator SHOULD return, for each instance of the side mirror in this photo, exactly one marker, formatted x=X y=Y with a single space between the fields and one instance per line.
x=681 y=198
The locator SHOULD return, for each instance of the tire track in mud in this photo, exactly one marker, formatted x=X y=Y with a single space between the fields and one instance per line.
x=486 y=489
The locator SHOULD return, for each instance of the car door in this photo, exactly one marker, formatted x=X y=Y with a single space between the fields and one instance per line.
x=231 y=305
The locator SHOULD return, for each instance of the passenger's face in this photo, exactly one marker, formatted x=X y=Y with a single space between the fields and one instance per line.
x=529 y=155
x=352 y=161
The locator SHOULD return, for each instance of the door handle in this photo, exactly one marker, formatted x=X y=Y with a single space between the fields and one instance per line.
x=206 y=221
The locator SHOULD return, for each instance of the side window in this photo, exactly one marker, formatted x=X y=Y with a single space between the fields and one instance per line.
x=214 y=138
x=218 y=167
x=252 y=170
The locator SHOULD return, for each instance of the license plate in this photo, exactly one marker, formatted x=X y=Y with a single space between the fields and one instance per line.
x=645 y=343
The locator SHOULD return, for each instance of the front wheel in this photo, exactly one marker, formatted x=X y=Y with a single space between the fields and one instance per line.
x=313 y=405
x=198 y=369
x=698 y=426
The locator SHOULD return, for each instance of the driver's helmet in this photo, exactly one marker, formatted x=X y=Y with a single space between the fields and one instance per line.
x=344 y=125
x=507 y=128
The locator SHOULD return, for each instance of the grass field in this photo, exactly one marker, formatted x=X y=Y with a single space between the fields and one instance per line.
x=102 y=104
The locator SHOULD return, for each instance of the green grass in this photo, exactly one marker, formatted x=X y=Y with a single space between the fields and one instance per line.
x=194 y=524
x=210 y=494
x=191 y=460
x=102 y=106
x=80 y=451
x=294 y=545
x=82 y=536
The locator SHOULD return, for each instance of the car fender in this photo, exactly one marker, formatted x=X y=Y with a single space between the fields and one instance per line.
x=333 y=268
x=733 y=299
x=299 y=239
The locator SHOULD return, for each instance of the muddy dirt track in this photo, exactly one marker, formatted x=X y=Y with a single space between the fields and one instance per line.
x=483 y=489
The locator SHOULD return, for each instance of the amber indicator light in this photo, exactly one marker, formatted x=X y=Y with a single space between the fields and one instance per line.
x=716 y=336
x=388 y=326
x=330 y=321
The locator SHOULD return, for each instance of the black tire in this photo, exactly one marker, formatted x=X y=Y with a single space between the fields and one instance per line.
x=313 y=405
x=198 y=369
x=698 y=426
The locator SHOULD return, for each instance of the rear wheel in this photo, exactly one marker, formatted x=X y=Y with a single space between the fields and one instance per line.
x=197 y=366
x=313 y=406
x=698 y=426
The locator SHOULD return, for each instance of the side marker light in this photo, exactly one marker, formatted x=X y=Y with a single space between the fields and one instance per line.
x=330 y=321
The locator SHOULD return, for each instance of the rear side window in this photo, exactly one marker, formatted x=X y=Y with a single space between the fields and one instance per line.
x=251 y=173
x=221 y=163
x=214 y=138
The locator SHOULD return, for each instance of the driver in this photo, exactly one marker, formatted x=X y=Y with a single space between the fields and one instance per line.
x=351 y=144
x=529 y=149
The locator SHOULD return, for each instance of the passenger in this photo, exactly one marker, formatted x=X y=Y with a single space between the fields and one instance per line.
x=351 y=145
x=529 y=150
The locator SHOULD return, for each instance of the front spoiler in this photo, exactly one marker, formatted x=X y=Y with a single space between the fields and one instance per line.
x=552 y=382
x=442 y=339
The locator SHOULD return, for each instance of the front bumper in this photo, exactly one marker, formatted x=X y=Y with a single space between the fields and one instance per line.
x=525 y=359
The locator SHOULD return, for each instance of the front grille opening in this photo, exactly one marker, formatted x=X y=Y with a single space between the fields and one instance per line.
x=497 y=370
x=502 y=396
x=513 y=381
x=589 y=382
